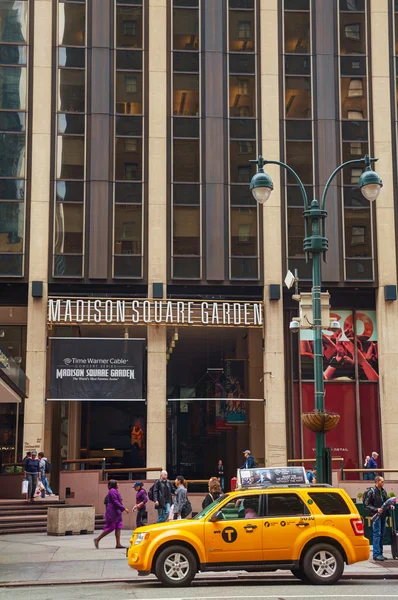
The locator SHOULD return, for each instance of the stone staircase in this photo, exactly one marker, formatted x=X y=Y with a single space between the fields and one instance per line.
x=17 y=516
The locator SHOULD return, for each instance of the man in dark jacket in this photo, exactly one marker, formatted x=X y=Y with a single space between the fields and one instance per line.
x=32 y=474
x=373 y=503
x=162 y=492
x=249 y=460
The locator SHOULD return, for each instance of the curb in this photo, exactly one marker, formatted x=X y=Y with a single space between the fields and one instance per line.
x=199 y=580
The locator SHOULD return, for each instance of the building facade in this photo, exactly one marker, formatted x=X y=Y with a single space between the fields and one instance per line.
x=127 y=227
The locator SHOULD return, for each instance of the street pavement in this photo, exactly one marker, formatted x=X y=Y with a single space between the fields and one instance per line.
x=37 y=559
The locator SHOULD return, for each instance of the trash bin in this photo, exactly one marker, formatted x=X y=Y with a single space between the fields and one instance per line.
x=233 y=484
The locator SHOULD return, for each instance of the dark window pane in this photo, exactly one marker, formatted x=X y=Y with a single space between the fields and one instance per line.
x=12 y=55
x=243 y=128
x=242 y=63
x=72 y=57
x=13 y=88
x=186 y=193
x=285 y=505
x=70 y=153
x=129 y=93
x=11 y=226
x=12 y=155
x=295 y=232
x=70 y=191
x=355 y=130
x=12 y=189
x=297 y=65
x=68 y=238
x=193 y=3
x=71 y=90
x=128 y=27
x=186 y=95
x=186 y=160
x=297 y=33
x=185 y=127
x=135 y=2
x=241 y=31
x=354 y=104
x=299 y=158
x=10 y=121
x=244 y=268
x=186 y=268
x=353 y=198
x=241 y=3
x=185 y=29
x=13 y=21
x=359 y=269
x=70 y=123
x=352 y=151
x=352 y=5
x=72 y=25
x=295 y=198
x=240 y=195
x=244 y=231
x=298 y=97
x=68 y=266
x=128 y=192
x=242 y=96
x=128 y=229
x=186 y=61
x=127 y=267
x=129 y=126
x=352 y=34
x=128 y=163
x=10 y=264
x=129 y=59
x=186 y=230
x=353 y=65
x=358 y=232
x=330 y=503
x=297 y=4
x=241 y=152
x=298 y=130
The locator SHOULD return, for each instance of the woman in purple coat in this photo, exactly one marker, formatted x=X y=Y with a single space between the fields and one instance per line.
x=113 y=514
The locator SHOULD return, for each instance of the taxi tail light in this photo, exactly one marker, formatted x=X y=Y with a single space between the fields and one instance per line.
x=357 y=526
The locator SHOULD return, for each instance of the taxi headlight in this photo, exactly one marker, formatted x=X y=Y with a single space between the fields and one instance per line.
x=140 y=537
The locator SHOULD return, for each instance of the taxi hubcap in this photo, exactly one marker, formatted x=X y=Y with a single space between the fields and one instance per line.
x=324 y=564
x=176 y=566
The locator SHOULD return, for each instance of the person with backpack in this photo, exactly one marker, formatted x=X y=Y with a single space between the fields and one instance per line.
x=180 y=498
x=373 y=500
x=45 y=469
x=161 y=494
x=140 y=503
x=113 y=514
x=250 y=462
x=213 y=493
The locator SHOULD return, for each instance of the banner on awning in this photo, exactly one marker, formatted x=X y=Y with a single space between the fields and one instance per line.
x=96 y=369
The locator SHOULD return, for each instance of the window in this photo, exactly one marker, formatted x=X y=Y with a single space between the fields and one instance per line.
x=244 y=30
x=357 y=235
x=330 y=503
x=353 y=31
x=297 y=32
x=355 y=115
x=241 y=31
x=355 y=88
x=355 y=175
x=13 y=21
x=243 y=507
x=72 y=24
x=130 y=84
x=285 y=505
x=130 y=27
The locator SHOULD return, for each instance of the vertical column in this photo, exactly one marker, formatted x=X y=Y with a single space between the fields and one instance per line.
x=157 y=227
x=387 y=312
x=274 y=359
x=256 y=409
x=327 y=139
x=36 y=350
x=74 y=429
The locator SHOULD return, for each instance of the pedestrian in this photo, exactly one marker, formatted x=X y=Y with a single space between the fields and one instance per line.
x=162 y=492
x=44 y=471
x=28 y=455
x=180 y=497
x=213 y=493
x=113 y=514
x=32 y=474
x=249 y=463
x=220 y=473
x=140 y=503
x=371 y=464
x=375 y=498
x=311 y=476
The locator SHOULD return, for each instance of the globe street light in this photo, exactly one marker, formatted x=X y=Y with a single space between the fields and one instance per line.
x=315 y=244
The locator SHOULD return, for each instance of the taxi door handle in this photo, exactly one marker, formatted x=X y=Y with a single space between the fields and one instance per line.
x=250 y=527
x=302 y=524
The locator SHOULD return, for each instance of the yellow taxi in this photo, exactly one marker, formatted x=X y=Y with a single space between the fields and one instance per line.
x=310 y=530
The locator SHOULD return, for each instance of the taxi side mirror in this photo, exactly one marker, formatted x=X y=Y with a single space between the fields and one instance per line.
x=218 y=516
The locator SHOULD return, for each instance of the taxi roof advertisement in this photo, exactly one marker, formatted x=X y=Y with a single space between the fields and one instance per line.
x=272 y=476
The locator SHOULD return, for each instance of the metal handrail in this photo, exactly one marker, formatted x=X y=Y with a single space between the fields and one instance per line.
x=130 y=471
x=82 y=462
x=14 y=465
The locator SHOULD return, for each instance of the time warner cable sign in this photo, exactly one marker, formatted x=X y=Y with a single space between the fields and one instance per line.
x=96 y=369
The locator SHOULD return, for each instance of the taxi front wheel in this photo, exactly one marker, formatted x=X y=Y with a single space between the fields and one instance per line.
x=323 y=564
x=175 y=566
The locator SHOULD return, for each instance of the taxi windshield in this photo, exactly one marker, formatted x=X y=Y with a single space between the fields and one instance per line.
x=208 y=509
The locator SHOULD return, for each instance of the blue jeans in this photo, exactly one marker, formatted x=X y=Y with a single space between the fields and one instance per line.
x=369 y=476
x=222 y=481
x=163 y=513
x=44 y=481
x=378 y=529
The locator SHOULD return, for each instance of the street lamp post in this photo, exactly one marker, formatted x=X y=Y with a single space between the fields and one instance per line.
x=315 y=245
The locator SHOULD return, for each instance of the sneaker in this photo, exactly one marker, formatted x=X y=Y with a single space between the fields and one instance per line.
x=379 y=558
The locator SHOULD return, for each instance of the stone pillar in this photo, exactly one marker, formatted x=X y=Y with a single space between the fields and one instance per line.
x=74 y=429
x=157 y=228
x=40 y=150
x=256 y=389
x=387 y=312
x=274 y=359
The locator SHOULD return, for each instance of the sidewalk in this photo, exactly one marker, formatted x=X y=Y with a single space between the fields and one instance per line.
x=38 y=559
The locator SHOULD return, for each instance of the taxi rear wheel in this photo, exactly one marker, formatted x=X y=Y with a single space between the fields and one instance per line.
x=323 y=564
x=175 y=566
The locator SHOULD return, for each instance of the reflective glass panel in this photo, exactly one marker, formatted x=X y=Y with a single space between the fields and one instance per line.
x=68 y=228
x=186 y=61
x=71 y=90
x=244 y=231
x=129 y=59
x=129 y=93
x=295 y=232
x=11 y=226
x=71 y=124
x=11 y=121
x=241 y=170
x=127 y=267
x=128 y=192
x=186 y=268
x=13 y=88
x=186 y=160
x=12 y=55
x=68 y=265
x=241 y=31
x=186 y=230
x=354 y=104
x=72 y=24
x=128 y=229
x=298 y=97
x=72 y=57
x=297 y=33
x=70 y=157
x=128 y=27
x=12 y=189
x=357 y=232
x=242 y=96
x=299 y=157
x=185 y=29
x=12 y=155
x=186 y=95
x=352 y=33
x=244 y=268
x=128 y=160
x=70 y=191
x=13 y=21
